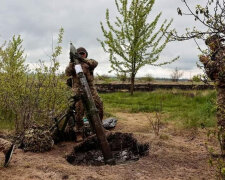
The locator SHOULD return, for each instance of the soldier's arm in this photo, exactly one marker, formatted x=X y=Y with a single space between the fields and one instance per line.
x=91 y=62
x=206 y=61
x=70 y=69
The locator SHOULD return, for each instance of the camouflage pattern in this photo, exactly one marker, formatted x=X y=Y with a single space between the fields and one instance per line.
x=37 y=139
x=88 y=66
x=4 y=145
x=221 y=107
x=214 y=65
x=220 y=115
x=212 y=38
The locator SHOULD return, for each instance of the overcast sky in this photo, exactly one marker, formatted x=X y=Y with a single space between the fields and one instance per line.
x=37 y=21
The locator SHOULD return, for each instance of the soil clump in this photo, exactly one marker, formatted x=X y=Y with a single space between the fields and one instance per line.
x=123 y=146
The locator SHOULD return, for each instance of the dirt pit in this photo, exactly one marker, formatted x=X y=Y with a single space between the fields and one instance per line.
x=124 y=147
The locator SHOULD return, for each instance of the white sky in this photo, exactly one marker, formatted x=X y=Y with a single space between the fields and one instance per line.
x=37 y=21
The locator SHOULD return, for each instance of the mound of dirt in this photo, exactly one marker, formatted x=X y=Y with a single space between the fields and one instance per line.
x=123 y=145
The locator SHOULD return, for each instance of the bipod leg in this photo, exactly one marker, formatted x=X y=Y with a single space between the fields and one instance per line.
x=65 y=122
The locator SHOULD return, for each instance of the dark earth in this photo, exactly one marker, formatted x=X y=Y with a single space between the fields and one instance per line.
x=123 y=145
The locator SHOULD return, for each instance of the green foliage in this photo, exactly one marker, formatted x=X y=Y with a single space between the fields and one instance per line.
x=197 y=78
x=186 y=108
x=30 y=96
x=122 y=76
x=216 y=160
x=147 y=78
x=12 y=78
x=6 y=124
x=133 y=42
x=103 y=78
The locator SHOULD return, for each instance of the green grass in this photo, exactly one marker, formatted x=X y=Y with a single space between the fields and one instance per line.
x=187 y=108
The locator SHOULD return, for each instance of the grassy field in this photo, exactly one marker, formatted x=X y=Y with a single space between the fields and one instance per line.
x=185 y=108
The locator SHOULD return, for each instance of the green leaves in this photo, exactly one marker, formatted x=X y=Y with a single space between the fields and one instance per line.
x=132 y=42
x=28 y=96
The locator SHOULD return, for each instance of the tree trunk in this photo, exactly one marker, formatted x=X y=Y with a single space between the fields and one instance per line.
x=132 y=84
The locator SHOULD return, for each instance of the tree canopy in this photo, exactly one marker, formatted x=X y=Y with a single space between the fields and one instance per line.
x=132 y=41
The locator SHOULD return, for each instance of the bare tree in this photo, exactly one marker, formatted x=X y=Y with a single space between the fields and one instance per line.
x=176 y=75
x=211 y=16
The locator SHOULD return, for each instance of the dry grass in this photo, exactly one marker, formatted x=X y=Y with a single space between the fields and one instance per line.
x=173 y=155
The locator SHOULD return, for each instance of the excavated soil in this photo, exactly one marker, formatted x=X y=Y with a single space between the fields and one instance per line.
x=174 y=154
x=124 y=148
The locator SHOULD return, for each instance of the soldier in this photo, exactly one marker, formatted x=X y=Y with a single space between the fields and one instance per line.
x=214 y=65
x=88 y=66
x=214 y=62
x=7 y=148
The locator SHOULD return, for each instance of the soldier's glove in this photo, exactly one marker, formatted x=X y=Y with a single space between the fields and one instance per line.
x=75 y=56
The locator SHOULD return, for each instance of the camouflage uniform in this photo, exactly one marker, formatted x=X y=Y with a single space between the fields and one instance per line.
x=88 y=66
x=4 y=145
x=214 y=65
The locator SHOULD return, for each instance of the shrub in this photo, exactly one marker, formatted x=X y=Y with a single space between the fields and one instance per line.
x=27 y=97
x=196 y=78
x=176 y=75
x=148 y=78
x=122 y=77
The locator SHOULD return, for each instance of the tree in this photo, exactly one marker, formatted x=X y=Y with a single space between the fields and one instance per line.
x=26 y=96
x=176 y=75
x=122 y=77
x=148 y=78
x=12 y=58
x=211 y=16
x=133 y=42
x=13 y=73
x=197 y=78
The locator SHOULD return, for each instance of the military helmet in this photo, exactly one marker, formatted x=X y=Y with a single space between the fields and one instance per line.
x=81 y=49
x=212 y=39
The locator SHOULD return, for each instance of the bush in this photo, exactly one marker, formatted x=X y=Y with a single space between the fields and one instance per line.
x=27 y=97
x=147 y=78
x=104 y=78
x=176 y=75
x=122 y=77
x=196 y=78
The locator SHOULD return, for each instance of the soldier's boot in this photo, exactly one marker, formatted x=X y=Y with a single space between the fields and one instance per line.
x=8 y=155
x=79 y=133
x=79 y=129
x=79 y=136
